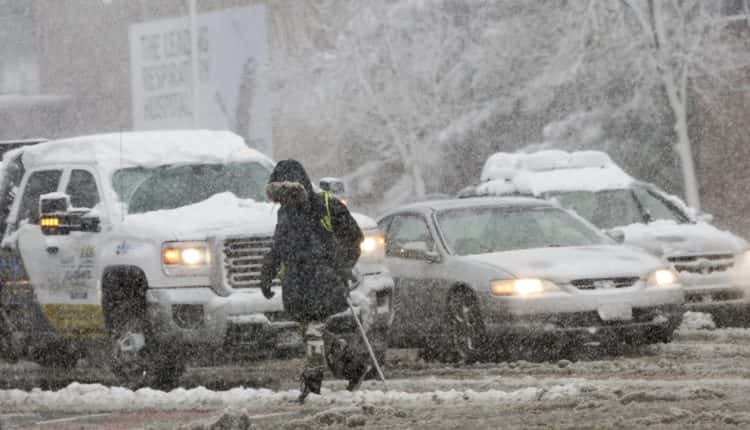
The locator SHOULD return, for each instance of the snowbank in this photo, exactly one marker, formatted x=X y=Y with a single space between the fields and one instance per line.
x=697 y=321
x=94 y=397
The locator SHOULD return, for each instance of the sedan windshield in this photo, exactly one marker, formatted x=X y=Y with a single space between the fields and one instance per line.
x=616 y=208
x=495 y=229
x=171 y=187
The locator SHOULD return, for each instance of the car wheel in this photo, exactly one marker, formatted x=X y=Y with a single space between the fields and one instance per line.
x=138 y=361
x=466 y=331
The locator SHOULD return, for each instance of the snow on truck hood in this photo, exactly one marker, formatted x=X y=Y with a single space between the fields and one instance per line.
x=221 y=215
x=669 y=238
x=564 y=264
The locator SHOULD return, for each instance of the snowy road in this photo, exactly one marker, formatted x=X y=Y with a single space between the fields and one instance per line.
x=698 y=381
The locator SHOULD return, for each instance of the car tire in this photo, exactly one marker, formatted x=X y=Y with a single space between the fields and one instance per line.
x=138 y=361
x=465 y=328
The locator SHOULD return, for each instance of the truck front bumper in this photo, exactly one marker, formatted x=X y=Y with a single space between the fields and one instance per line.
x=245 y=321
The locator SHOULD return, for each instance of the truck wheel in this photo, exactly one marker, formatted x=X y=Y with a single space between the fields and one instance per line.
x=138 y=361
x=466 y=332
x=57 y=354
x=9 y=347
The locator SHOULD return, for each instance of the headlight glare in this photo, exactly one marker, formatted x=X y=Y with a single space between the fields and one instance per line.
x=194 y=256
x=523 y=287
x=186 y=258
x=372 y=247
x=662 y=278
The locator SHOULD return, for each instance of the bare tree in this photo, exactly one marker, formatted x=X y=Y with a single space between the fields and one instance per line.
x=658 y=48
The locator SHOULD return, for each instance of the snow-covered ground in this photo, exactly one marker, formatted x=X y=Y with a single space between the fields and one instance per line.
x=698 y=381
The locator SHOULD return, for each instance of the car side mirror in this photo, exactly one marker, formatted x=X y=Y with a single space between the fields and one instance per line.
x=57 y=218
x=419 y=250
x=617 y=235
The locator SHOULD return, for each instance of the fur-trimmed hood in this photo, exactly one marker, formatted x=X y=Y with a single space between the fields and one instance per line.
x=287 y=193
x=289 y=184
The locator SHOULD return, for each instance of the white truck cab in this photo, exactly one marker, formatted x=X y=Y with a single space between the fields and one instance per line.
x=154 y=241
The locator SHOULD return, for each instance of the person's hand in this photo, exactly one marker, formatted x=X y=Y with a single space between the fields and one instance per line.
x=267 y=291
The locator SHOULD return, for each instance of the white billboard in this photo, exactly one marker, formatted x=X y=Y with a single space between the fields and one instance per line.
x=233 y=91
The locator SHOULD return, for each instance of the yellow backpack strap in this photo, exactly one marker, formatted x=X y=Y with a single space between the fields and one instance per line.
x=326 y=221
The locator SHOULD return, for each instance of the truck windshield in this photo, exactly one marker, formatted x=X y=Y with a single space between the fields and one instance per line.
x=617 y=208
x=481 y=230
x=171 y=187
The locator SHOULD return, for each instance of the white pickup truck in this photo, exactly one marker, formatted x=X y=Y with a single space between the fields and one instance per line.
x=153 y=242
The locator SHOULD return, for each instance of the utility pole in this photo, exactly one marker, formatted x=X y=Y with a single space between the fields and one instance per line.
x=194 y=54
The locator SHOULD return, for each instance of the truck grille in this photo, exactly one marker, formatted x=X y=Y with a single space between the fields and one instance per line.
x=702 y=264
x=243 y=259
x=604 y=283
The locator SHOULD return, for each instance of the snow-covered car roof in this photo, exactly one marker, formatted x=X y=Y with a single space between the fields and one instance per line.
x=540 y=172
x=438 y=205
x=149 y=149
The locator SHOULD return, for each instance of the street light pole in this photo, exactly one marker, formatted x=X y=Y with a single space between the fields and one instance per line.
x=195 y=70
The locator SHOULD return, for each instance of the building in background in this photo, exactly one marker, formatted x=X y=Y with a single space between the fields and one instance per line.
x=25 y=109
x=89 y=66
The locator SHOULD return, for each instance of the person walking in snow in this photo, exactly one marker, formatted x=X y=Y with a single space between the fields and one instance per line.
x=315 y=247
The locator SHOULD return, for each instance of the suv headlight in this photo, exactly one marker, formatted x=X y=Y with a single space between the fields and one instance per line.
x=522 y=287
x=186 y=258
x=662 y=278
x=372 y=247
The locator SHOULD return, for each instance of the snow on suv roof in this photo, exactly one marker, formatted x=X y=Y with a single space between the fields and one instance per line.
x=148 y=148
x=540 y=172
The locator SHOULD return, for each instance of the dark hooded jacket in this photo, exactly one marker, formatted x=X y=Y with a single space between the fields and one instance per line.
x=314 y=262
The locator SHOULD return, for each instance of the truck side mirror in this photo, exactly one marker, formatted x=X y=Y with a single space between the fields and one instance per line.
x=58 y=219
x=617 y=235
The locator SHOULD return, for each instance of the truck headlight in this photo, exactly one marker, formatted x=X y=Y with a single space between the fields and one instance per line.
x=372 y=247
x=523 y=287
x=662 y=278
x=186 y=258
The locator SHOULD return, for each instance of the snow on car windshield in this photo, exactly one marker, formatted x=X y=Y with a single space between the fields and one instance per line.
x=616 y=208
x=171 y=187
x=481 y=230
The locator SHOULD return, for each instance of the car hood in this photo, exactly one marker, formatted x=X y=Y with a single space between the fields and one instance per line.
x=668 y=238
x=219 y=216
x=563 y=264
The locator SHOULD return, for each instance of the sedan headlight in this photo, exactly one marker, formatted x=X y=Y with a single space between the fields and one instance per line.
x=372 y=247
x=523 y=287
x=662 y=278
x=185 y=258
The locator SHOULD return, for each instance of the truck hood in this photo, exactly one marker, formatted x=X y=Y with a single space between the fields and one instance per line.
x=219 y=216
x=668 y=238
x=222 y=215
x=564 y=264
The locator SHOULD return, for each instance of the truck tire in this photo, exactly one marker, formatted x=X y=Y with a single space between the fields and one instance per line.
x=9 y=348
x=136 y=358
x=138 y=361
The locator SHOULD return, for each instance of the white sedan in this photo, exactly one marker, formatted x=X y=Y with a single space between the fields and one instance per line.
x=481 y=275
